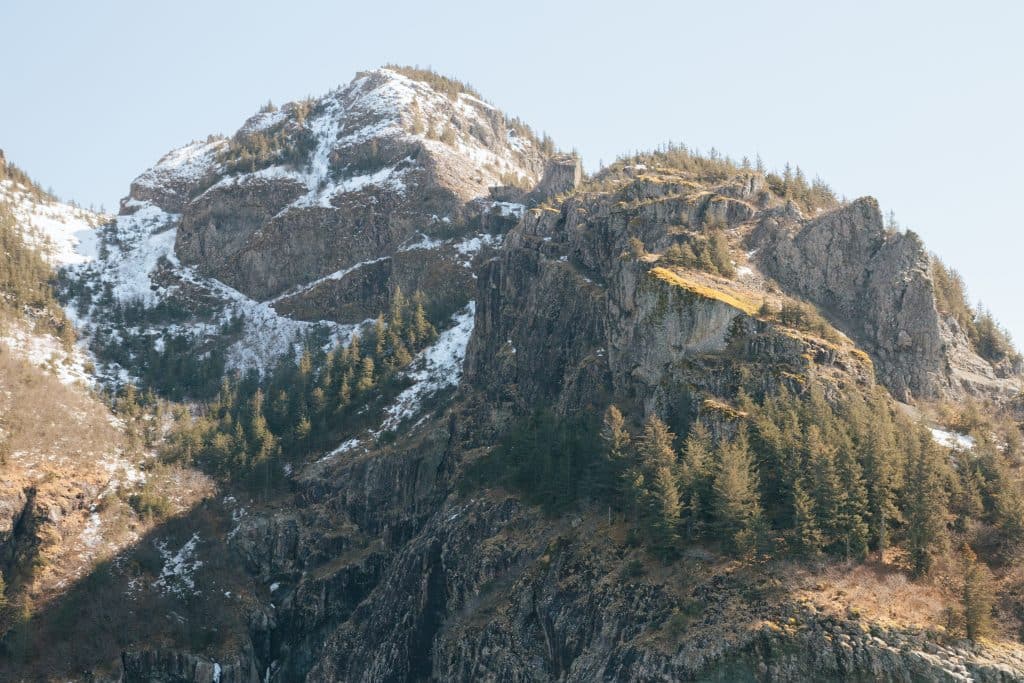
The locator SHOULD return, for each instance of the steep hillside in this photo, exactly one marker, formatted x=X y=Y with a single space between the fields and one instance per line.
x=872 y=285
x=449 y=410
x=77 y=481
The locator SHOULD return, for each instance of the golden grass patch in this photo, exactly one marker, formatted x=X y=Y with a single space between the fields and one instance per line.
x=726 y=296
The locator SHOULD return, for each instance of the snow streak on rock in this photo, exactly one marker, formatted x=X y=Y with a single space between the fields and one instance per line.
x=176 y=575
x=435 y=368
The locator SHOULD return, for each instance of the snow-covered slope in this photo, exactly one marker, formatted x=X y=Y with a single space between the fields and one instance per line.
x=65 y=234
x=472 y=144
x=305 y=220
x=139 y=268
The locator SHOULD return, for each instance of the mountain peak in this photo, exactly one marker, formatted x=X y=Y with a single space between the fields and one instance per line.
x=381 y=118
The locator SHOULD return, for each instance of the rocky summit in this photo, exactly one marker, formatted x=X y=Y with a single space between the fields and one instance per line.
x=385 y=387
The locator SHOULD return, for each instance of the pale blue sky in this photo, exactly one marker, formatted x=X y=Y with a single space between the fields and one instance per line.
x=920 y=104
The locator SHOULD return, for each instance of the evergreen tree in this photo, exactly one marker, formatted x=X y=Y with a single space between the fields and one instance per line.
x=353 y=352
x=736 y=503
x=695 y=477
x=380 y=336
x=978 y=595
x=825 y=484
x=966 y=501
x=263 y=442
x=345 y=392
x=925 y=504
x=421 y=329
x=878 y=445
x=809 y=539
x=397 y=313
x=720 y=256
x=366 y=378
x=616 y=440
x=852 y=527
x=661 y=497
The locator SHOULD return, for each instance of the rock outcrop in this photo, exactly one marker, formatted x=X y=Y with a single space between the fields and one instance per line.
x=566 y=295
x=169 y=666
x=876 y=285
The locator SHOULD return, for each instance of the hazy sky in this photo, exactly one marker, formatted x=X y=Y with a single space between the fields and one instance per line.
x=920 y=104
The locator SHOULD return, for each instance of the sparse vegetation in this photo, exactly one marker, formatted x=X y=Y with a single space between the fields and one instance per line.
x=26 y=281
x=288 y=142
x=450 y=87
x=710 y=254
x=803 y=317
x=714 y=167
x=734 y=299
x=253 y=426
x=990 y=340
x=149 y=503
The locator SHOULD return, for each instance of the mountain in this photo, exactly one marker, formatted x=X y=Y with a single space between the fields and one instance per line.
x=383 y=387
x=310 y=214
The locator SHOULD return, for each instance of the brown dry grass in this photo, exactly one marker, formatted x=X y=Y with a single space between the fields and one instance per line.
x=63 y=442
x=878 y=593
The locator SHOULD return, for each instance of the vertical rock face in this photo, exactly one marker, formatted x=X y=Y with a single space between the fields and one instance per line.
x=876 y=286
x=566 y=316
x=562 y=174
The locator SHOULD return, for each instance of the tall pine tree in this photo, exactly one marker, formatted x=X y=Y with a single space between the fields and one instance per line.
x=737 y=505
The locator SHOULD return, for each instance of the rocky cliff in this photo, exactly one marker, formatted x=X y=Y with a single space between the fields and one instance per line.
x=876 y=285
x=392 y=571
x=668 y=290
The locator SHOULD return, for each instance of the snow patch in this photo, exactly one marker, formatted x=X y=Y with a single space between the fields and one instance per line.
x=425 y=242
x=185 y=164
x=952 y=440
x=435 y=368
x=507 y=209
x=92 y=534
x=64 y=234
x=47 y=352
x=176 y=576
x=471 y=245
x=343 y=448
